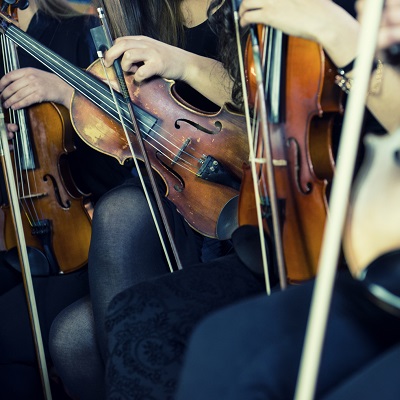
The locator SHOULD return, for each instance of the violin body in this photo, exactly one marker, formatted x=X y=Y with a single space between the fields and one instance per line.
x=302 y=155
x=312 y=104
x=55 y=218
x=198 y=155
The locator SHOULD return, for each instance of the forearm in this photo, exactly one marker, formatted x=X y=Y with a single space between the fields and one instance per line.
x=66 y=96
x=341 y=44
x=208 y=77
x=337 y=32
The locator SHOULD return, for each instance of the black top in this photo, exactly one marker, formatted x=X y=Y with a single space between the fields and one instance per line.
x=199 y=40
x=68 y=37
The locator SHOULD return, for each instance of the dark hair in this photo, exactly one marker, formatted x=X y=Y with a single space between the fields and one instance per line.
x=224 y=26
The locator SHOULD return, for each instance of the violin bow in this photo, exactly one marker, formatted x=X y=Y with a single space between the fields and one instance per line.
x=107 y=43
x=268 y=159
x=23 y=255
x=250 y=135
x=331 y=243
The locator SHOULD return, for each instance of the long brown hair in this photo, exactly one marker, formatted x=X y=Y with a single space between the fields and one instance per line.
x=159 y=19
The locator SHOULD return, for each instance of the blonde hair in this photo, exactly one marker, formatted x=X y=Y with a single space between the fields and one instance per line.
x=56 y=8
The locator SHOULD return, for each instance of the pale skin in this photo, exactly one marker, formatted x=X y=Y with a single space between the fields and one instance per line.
x=27 y=86
x=338 y=33
x=146 y=57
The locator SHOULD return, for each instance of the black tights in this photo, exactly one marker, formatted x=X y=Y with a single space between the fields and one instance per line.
x=125 y=250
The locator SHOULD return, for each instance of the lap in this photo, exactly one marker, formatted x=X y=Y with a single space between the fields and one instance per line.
x=377 y=380
x=255 y=347
x=52 y=294
x=149 y=324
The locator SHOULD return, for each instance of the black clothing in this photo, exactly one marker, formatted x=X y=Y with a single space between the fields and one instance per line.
x=148 y=324
x=202 y=41
x=94 y=173
x=255 y=346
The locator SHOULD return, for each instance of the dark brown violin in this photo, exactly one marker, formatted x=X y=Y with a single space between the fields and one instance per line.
x=55 y=217
x=198 y=155
x=301 y=111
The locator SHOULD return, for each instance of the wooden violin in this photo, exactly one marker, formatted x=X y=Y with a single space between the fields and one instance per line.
x=56 y=219
x=301 y=109
x=198 y=155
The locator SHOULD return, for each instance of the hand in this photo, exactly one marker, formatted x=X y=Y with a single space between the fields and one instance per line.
x=147 y=57
x=389 y=32
x=301 y=18
x=27 y=86
x=321 y=21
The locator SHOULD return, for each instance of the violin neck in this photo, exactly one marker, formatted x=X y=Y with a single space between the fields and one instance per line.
x=22 y=146
x=275 y=75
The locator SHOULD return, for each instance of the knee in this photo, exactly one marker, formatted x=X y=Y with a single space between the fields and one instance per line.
x=72 y=332
x=119 y=206
x=74 y=352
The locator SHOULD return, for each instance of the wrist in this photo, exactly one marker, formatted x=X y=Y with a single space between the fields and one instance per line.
x=66 y=97
x=345 y=83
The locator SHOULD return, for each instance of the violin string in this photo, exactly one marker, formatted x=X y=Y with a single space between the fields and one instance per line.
x=250 y=132
x=140 y=175
x=10 y=63
x=98 y=93
x=25 y=154
x=263 y=86
x=30 y=208
x=117 y=69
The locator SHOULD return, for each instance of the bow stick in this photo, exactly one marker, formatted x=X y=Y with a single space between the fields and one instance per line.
x=124 y=91
x=340 y=194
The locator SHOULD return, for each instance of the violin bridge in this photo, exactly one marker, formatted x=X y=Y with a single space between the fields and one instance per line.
x=181 y=150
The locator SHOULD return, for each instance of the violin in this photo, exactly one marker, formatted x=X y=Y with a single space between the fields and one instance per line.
x=55 y=217
x=301 y=110
x=198 y=155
